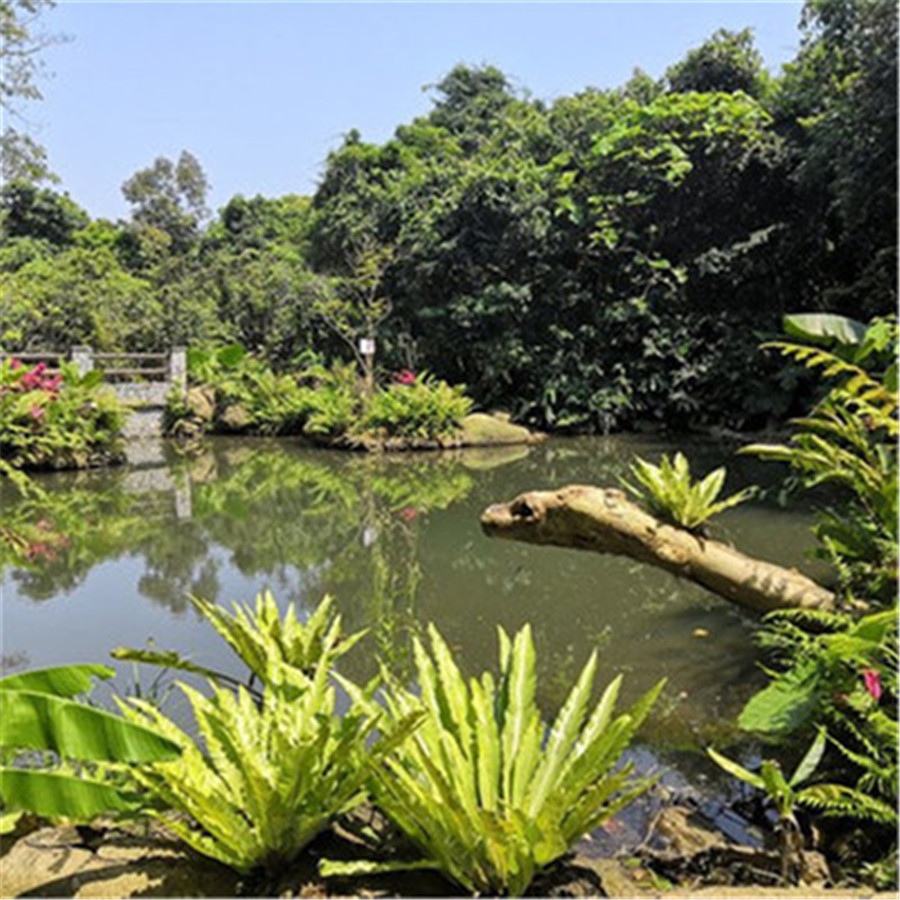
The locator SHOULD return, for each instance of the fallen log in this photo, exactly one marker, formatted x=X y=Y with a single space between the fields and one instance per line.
x=605 y=521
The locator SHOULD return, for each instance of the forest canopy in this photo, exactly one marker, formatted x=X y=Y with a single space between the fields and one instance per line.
x=611 y=258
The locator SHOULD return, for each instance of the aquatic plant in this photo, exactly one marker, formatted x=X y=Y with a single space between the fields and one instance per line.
x=483 y=788
x=671 y=493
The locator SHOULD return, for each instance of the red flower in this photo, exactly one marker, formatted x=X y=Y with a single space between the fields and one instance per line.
x=408 y=513
x=37 y=413
x=40 y=550
x=405 y=376
x=872 y=678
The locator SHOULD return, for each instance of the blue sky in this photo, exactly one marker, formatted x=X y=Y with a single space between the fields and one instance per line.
x=260 y=92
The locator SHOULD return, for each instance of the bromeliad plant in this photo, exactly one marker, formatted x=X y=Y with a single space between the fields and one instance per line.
x=671 y=493
x=485 y=790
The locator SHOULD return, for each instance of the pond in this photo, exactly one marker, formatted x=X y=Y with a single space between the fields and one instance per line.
x=397 y=541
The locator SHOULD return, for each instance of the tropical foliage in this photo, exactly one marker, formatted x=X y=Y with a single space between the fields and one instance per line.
x=56 y=751
x=267 y=772
x=850 y=439
x=488 y=794
x=787 y=794
x=57 y=420
x=839 y=669
x=235 y=392
x=670 y=493
x=608 y=258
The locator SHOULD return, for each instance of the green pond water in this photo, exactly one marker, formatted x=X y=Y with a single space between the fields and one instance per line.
x=397 y=541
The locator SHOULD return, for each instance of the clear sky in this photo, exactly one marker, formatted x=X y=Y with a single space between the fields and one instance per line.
x=260 y=92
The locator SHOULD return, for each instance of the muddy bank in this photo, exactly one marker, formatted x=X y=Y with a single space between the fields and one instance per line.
x=682 y=856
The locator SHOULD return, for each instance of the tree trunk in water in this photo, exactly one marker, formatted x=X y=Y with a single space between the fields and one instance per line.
x=605 y=521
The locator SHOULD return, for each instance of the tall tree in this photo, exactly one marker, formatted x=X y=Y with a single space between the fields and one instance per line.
x=21 y=43
x=728 y=62
x=839 y=102
x=170 y=197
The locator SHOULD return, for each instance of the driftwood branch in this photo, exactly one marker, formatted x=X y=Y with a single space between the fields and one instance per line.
x=605 y=521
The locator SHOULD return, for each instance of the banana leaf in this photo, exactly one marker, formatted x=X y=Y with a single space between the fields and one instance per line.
x=61 y=681
x=824 y=327
x=60 y=794
x=35 y=721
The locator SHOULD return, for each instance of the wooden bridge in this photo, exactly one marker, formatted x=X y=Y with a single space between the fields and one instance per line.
x=142 y=381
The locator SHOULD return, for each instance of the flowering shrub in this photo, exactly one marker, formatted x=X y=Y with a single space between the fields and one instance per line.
x=57 y=420
x=416 y=406
x=325 y=402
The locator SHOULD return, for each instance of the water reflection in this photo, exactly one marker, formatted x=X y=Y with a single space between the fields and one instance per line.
x=397 y=541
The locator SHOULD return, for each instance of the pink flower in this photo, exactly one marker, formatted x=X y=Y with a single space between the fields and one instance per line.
x=37 y=413
x=406 y=376
x=408 y=513
x=52 y=384
x=40 y=368
x=15 y=364
x=872 y=678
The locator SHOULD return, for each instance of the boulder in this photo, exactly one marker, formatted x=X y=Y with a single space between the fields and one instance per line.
x=235 y=417
x=69 y=862
x=483 y=430
x=201 y=401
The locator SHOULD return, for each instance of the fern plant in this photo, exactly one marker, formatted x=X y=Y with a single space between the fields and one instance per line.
x=850 y=439
x=841 y=670
x=786 y=794
x=268 y=771
x=267 y=643
x=271 y=775
x=671 y=493
x=487 y=793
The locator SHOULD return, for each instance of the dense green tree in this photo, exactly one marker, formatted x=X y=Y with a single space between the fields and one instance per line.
x=170 y=197
x=610 y=258
x=727 y=62
x=78 y=296
x=838 y=101
x=259 y=223
x=29 y=211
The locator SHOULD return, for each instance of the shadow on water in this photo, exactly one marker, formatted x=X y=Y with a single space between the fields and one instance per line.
x=397 y=541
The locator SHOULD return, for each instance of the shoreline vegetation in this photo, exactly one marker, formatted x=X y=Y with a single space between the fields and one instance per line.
x=231 y=392
x=590 y=264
